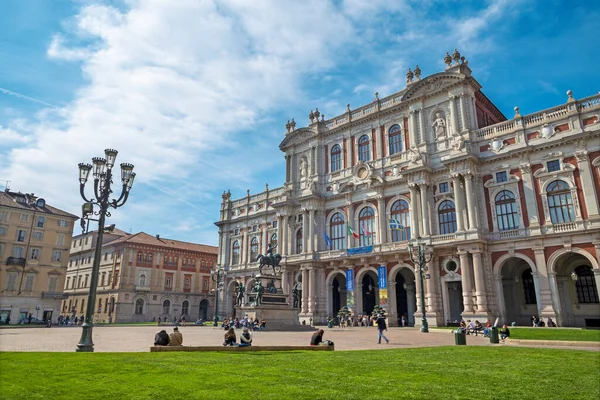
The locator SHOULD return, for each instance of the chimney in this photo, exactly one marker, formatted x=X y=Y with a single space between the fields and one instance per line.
x=158 y=237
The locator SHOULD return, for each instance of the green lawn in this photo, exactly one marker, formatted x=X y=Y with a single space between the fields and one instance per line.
x=576 y=335
x=432 y=373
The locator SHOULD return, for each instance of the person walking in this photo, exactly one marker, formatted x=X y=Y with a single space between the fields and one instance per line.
x=381 y=326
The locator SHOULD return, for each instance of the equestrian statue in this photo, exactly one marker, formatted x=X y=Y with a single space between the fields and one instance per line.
x=269 y=259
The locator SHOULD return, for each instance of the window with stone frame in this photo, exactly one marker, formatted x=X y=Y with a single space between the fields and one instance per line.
x=166 y=308
x=40 y=222
x=11 y=282
x=29 y=279
x=187 y=283
x=142 y=280
x=447 y=217
x=395 y=139
x=560 y=202
x=52 y=284
x=299 y=241
x=254 y=249
x=337 y=231
x=507 y=217
x=185 y=308
x=364 y=149
x=400 y=212
x=274 y=239
x=235 y=253
x=587 y=291
x=366 y=221
x=336 y=158
x=528 y=287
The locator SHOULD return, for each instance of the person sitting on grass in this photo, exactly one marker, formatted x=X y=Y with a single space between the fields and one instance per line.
x=230 y=339
x=245 y=338
x=161 y=338
x=504 y=333
x=175 y=338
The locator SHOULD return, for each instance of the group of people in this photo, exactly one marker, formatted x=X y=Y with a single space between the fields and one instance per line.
x=70 y=321
x=250 y=323
x=231 y=339
x=539 y=322
x=162 y=338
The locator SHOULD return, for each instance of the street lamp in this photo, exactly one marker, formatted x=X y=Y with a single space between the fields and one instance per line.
x=218 y=276
x=419 y=257
x=103 y=178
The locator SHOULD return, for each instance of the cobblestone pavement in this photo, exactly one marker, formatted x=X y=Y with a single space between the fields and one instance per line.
x=140 y=338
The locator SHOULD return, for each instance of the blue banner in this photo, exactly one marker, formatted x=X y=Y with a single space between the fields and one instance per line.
x=382 y=275
x=360 y=250
x=349 y=279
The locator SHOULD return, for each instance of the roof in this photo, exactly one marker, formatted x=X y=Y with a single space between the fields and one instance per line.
x=148 y=240
x=29 y=202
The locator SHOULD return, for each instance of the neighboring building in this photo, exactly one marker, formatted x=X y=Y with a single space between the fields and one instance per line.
x=141 y=278
x=510 y=208
x=34 y=242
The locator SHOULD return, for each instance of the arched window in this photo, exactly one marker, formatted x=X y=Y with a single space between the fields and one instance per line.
x=400 y=215
x=187 y=283
x=274 y=239
x=235 y=253
x=166 y=307
x=299 y=241
x=506 y=211
x=336 y=158
x=366 y=220
x=143 y=280
x=254 y=249
x=185 y=308
x=168 y=281
x=338 y=231
x=149 y=257
x=184 y=261
x=140 y=256
x=139 y=306
x=560 y=203
x=395 y=139
x=364 y=152
x=447 y=217
x=528 y=287
x=587 y=292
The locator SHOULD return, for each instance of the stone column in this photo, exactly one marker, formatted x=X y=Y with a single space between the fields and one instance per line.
x=350 y=222
x=463 y=108
x=422 y=127
x=414 y=212
x=465 y=273
x=480 y=289
x=305 y=289
x=424 y=209
x=453 y=116
x=471 y=202
x=290 y=235
x=458 y=198
x=245 y=248
x=348 y=155
x=382 y=228
x=312 y=290
x=280 y=242
x=265 y=239
x=311 y=230
x=379 y=140
x=587 y=183
x=529 y=191
x=305 y=230
x=412 y=123
x=547 y=301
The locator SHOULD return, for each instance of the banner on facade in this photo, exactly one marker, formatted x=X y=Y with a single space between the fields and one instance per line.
x=382 y=275
x=360 y=250
x=350 y=300
x=350 y=289
x=383 y=298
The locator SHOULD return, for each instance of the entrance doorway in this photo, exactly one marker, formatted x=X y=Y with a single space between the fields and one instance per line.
x=368 y=294
x=203 y=311
x=455 y=301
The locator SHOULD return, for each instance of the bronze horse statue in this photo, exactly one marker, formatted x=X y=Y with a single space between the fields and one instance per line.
x=272 y=261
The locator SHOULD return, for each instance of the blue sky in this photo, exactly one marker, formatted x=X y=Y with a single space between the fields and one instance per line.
x=196 y=93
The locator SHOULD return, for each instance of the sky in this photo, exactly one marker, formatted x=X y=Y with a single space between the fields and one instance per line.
x=196 y=93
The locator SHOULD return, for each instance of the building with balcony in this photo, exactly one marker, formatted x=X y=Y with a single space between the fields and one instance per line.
x=508 y=208
x=141 y=278
x=34 y=242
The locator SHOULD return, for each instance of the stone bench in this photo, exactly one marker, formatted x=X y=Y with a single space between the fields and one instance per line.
x=156 y=349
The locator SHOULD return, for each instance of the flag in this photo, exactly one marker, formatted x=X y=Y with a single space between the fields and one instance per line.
x=327 y=239
x=395 y=225
x=352 y=232
x=365 y=232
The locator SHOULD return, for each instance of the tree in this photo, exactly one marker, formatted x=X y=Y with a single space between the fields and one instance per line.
x=379 y=310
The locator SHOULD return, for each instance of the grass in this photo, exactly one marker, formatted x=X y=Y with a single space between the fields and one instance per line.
x=432 y=373
x=573 y=335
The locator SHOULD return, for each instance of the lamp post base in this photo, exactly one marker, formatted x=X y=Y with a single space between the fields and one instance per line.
x=424 y=326
x=86 y=345
x=216 y=321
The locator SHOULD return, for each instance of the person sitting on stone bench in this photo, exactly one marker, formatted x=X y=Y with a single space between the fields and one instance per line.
x=317 y=339
x=230 y=339
x=175 y=338
x=504 y=333
x=245 y=338
x=478 y=328
x=161 y=338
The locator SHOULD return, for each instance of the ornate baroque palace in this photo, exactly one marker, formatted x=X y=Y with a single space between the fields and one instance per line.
x=507 y=209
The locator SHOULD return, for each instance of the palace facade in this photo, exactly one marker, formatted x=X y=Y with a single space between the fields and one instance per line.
x=508 y=209
x=141 y=278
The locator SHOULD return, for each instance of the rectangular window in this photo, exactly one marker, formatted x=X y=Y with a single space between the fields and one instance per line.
x=501 y=177
x=38 y=235
x=86 y=240
x=2 y=230
x=82 y=304
x=11 y=282
x=17 y=251
x=56 y=256
x=60 y=239
x=29 y=283
x=35 y=254
x=21 y=235
x=299 y=218
x=553 y=165
x=236 y=232
x=52 y=283
x=1 y=249
x=444 y=187
x=63 y=223
x=24 y=217
x=40 y=222
x=3 y=216
x=274 y=224
x=254 y=228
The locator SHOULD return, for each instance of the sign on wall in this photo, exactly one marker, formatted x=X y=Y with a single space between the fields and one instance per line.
x=350 y=289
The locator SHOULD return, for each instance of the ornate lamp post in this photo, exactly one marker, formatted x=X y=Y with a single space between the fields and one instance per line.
x=218 y=276
x=103 y=178
x=420 y=256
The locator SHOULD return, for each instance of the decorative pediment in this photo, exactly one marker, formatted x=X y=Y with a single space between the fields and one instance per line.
x=54 y=273
x=298 y=136
x=431 y=84
x=13 y=269
x=31 y=271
